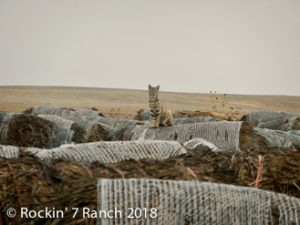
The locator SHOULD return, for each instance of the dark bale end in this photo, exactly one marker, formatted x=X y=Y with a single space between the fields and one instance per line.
x=79 y=133
x=98 y=132
x=29 y=131
x=250 y=140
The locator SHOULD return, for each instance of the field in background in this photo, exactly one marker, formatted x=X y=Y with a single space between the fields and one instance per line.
x=125 y=103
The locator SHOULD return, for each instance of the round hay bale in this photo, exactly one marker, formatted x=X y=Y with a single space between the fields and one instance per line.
x=99 y=132
x=250 y=140
x=200 y=145
x=79 y=133
x=197 y=119
x=294 y=132
x=292 y=124
x=113 y=151
x=273 y=120
x=81 y=116
x=223 y=134
x=181 y=113
x=32 y=131
x=190 y=202
x=74 y=184
x=278 y=138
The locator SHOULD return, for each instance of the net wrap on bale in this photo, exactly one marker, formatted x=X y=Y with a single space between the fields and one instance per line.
x=189 y=202
x=281 y=139
x=201 y=144
x=58 y=120
x=223 y=134
x=4 y=124
x=269 y=119
x=103 y=152
x=32 y=131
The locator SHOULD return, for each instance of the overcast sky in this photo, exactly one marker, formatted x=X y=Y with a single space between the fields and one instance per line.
x=232 y=46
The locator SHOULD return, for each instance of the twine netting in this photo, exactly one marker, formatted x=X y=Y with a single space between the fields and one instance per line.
x=200 y=143
x=5 y=119
x=28 y=130
x=103 y=152
x=223 y=134
x=58 y=121
x=84 y=117
x=11 y=152
x=188 y=202
x=269 y=119
x=197 y=119
x=277 y=138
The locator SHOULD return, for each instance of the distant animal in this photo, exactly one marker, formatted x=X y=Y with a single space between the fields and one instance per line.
x=158 y=114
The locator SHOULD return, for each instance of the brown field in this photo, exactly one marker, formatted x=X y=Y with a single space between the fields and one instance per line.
x=128 y=102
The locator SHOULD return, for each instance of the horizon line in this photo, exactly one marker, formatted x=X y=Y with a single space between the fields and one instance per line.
x=134 y=89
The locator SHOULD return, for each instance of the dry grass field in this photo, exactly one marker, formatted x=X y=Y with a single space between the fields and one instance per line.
x=125 y=103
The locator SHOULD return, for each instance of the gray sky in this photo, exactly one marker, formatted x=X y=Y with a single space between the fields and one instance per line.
x=232 y=46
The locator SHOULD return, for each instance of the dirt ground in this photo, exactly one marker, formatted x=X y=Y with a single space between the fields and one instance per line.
x=125 y=103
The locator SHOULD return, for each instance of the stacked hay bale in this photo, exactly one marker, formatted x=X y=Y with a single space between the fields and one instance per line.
x=32 y=131
x=224 y=135
x=92 y=123
x=189 y=202
x=200 y=145
x=72 y=184
x=273 y=120
x=144 y=115
x=102 y=152
x=281 y=139
x=79 y=133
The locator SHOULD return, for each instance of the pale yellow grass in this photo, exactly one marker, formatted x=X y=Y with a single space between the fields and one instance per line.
x=17 y=99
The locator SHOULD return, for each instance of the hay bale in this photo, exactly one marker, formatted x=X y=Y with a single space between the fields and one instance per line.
x=111 y=152
x=281 y=139
x=10 y=151
x=79 y=116
x=89 y=122
x=292 y=124
x=197 y=119
x=79 y=133
x=273 y=120
x=99 y=132
x=294 y=132
x=102 y=152
x=224 y=135
x=32 y=131
x=109 y=129
x=181 y=117
x=200 y=145
x=190 y=202
x=251 y=140
x=181 y=113
x=5 y=119
x=72 y=184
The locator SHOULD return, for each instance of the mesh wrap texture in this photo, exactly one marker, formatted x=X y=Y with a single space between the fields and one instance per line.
x=188 y=202
x=103 y=152
x=223 y=134
x=277 y=138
